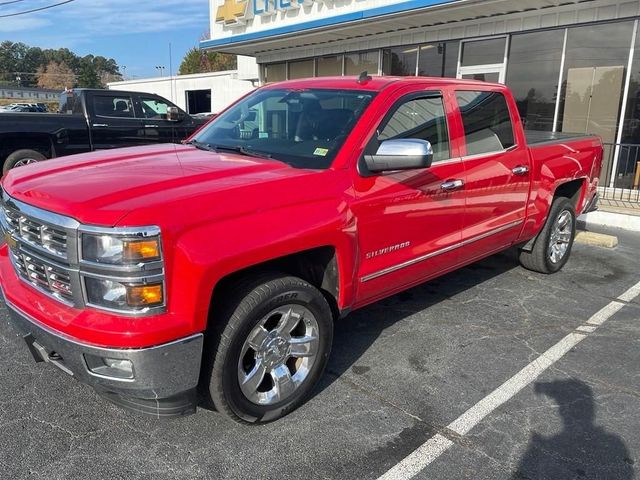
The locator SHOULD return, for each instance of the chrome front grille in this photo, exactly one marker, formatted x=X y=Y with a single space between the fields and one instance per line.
x=36 y=233
x=44 y=275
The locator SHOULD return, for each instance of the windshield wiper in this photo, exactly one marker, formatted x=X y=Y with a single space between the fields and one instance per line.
x=201 y=145
x=241 y=150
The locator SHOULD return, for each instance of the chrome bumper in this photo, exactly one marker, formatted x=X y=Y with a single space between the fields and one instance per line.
x=164 y=377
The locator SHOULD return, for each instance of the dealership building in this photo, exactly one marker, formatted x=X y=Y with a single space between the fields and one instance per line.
x=572 y=65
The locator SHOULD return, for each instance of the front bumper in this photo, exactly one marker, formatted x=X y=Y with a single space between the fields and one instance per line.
x=164 y=377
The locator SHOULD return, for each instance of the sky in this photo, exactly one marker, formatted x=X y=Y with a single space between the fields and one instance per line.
x=136 y=33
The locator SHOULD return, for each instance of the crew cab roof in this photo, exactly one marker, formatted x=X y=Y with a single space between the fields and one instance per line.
x=377 y=83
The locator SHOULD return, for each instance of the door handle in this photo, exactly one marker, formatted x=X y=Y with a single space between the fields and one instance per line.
x=151 y=126
x=452 y=185
x=100 y=125
x=520 y=170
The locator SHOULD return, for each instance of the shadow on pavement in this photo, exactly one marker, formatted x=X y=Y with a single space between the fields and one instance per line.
x=581 y=450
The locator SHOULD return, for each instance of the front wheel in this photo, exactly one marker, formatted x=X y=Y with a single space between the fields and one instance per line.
x=270 y=350
x=552 y=246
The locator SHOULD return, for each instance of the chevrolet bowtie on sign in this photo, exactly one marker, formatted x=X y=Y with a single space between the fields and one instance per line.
x=231 y=12
x=237 y=12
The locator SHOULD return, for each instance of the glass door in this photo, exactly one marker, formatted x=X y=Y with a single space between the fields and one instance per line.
x=484 y=60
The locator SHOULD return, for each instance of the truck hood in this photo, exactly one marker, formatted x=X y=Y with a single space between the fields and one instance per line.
x=102 y=187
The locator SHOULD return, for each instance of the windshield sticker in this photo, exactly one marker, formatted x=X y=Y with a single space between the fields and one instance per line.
x=321 y=152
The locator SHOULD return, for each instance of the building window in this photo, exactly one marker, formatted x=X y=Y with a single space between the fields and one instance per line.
x=303 y=69
x=532 y=74
x=275 y=72
x=356 y=63
x=329 y=66
x=439 y=59
x=400 y=61
x=486 y=120
x=596 y=58
x=483 y=52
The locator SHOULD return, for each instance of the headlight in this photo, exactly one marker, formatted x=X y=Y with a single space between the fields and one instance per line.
x=121 y=295
x=119 y=250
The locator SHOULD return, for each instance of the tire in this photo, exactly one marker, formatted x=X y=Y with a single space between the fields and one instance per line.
x=252 y=374
x=20 y=158
x=552 y=246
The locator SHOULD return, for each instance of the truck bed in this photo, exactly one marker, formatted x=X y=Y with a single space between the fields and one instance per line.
x=536 y=138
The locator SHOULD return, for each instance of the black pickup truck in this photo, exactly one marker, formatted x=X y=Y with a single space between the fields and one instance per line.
x=92 y=120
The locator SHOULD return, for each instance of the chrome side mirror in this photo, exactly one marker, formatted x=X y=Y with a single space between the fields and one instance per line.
x=173 y=114
x=400 y=154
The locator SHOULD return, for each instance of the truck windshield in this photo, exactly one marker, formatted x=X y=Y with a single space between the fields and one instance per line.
x=303 y=128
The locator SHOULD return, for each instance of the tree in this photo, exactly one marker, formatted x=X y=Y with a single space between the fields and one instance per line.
x=55 y=76
x=200 y=61
x=87 y=76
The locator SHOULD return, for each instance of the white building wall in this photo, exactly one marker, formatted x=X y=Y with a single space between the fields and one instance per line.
x=225 y=87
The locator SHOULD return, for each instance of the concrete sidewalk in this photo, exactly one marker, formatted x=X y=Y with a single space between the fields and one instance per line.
x=614 y=214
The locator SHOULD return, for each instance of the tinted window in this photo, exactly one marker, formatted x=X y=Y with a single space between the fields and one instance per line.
x=486 y=121
x=303 y=128
x=154 y=108
x=422 y=118
x=483 y=52
x=108 y=106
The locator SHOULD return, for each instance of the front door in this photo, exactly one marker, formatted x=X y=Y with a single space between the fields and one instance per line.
x=409 y=222
x=156 y=127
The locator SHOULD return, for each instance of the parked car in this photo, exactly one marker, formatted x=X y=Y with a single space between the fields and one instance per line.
x=92 y=120
x=221 y=265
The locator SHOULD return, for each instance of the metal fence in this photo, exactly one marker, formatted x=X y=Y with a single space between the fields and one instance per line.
x=620 y=178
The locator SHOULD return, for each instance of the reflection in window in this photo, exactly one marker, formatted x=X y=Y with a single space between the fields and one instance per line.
x=439 y=59
x=486 y=121
x=400 y=61
x=275 y=72
x=422 y=118
x=303 y=69
x=329 y=66
x=483 y=52
x=532 y=75
x=356 y=63
x=108 y=106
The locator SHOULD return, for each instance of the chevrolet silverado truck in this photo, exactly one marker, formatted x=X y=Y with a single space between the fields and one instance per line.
x=92 y=120
x=211 y=273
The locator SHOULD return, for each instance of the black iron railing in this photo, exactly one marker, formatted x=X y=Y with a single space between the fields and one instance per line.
x=620 y=177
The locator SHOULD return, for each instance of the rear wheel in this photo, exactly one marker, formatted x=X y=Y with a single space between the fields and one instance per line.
x=552 y=247
x=270 y=350
x=20 y=158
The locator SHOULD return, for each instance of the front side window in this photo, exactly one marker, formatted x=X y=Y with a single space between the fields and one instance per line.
x=109 y=106
x=154 y=108
x=486 y=120
x=422 y=118
x=304 y=128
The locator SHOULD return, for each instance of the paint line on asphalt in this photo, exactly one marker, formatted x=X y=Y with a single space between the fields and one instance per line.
x=587 y=328
x=604 y=313
x=630 y=294
x=419 y=458
x=429 y=451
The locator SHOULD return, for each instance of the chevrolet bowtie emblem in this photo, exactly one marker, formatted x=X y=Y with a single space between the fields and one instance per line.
x=231 y=12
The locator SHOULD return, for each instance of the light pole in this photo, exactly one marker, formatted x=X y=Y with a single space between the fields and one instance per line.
x=160 y=68
x=124 y=71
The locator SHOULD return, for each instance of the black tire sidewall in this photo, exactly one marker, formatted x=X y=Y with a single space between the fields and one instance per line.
x=248 y=411
x=559 y=206
x=18 y=155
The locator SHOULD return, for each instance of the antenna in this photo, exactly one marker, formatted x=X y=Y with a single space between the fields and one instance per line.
x=364 y=77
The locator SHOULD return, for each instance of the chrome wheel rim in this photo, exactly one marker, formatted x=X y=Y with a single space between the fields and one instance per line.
x=278 y=355
x=560 y=236
x=24 y=161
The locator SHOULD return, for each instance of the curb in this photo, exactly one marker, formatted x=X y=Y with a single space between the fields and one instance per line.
x=597 y=239
x=609 y=219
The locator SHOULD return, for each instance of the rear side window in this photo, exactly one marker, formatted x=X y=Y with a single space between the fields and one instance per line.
x=109 y=106
x=422 y=118
x=486 y=120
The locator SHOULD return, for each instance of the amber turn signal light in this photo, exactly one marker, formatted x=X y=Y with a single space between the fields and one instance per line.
x=144 y=295
x=141 y=250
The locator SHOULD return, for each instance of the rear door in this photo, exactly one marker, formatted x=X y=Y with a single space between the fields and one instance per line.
x=496 y=163
x=409 y=222
x=113 y=121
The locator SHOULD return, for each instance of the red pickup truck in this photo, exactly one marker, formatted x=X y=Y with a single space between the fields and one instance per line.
x=213 y=271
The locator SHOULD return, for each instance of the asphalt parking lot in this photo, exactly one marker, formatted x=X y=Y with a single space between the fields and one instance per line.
x=402 y=373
